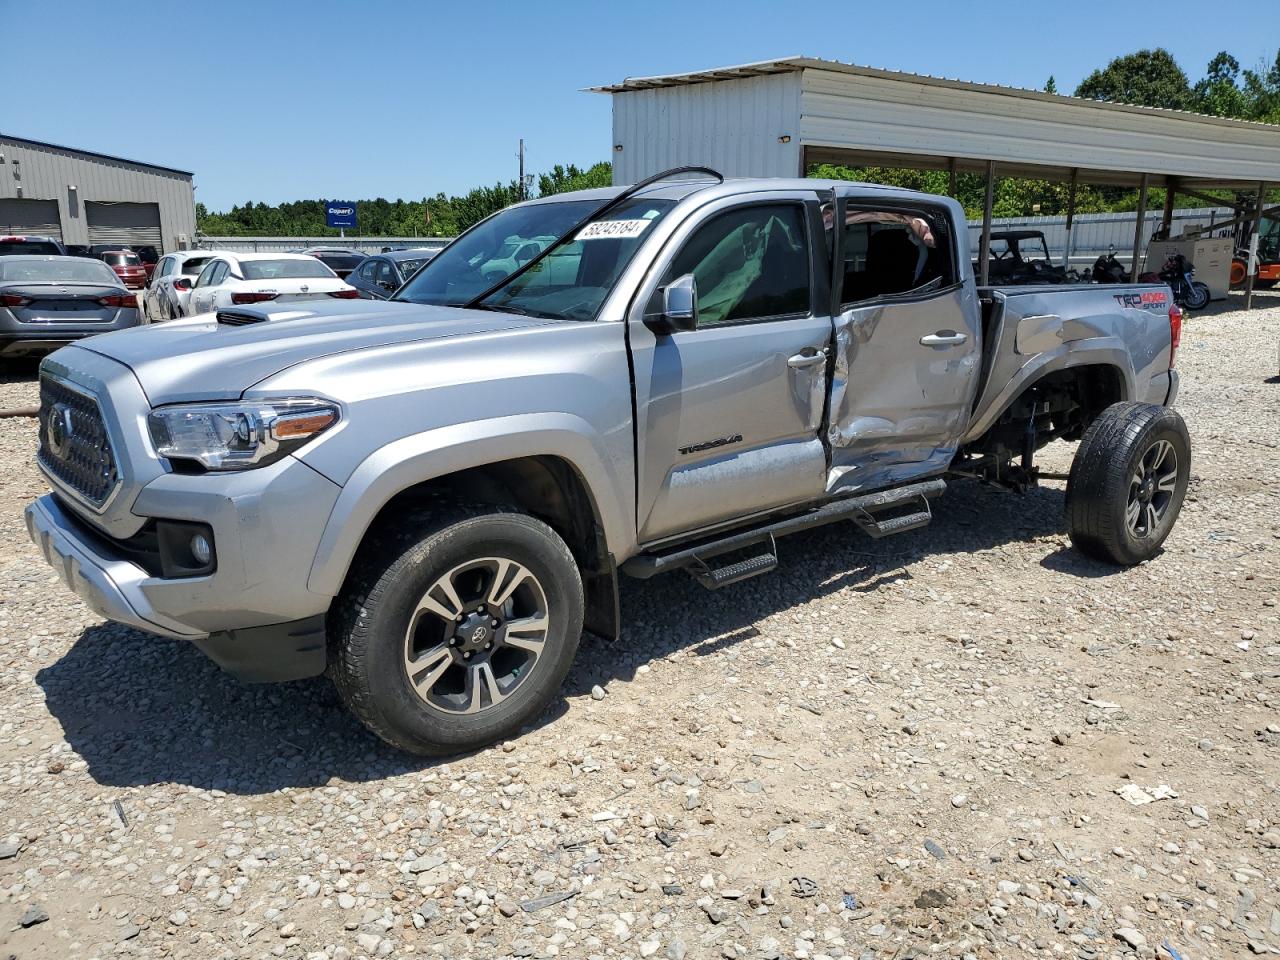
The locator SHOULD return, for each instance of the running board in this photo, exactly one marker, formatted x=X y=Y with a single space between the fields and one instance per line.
x=714 y=579
x=861 y=510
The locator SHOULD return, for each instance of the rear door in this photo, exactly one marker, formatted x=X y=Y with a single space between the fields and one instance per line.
x=202 y=292
x=907 y=342
x=728 y=415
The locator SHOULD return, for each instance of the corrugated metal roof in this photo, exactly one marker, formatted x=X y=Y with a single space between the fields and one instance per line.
x=40 y=144
x=800 y=63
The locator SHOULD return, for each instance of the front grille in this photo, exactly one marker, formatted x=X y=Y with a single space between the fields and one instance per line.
x=74 y=446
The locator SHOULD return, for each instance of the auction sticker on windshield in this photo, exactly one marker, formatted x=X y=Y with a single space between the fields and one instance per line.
x=613 y=229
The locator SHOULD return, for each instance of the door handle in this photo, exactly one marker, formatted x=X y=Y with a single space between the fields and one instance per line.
x=802 y=360
x=943 y=338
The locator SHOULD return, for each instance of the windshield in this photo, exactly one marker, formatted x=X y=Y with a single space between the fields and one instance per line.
x=276 y=269
x=407 y=267
x=571 y=284
x=58 y=271
x=122 y=259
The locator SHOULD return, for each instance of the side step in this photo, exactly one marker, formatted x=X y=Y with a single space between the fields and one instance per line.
x=735 y=572
x=861 y=510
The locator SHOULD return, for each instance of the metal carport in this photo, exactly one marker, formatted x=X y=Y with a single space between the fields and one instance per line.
x=776 y=117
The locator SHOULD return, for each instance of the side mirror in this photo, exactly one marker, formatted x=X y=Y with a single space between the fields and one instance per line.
x=679 y=307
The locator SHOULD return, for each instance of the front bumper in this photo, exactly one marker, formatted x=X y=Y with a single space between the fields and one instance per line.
x=117 y=589
x=109 y=586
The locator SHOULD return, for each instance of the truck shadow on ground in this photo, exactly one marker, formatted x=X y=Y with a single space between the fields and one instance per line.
x=141 y=710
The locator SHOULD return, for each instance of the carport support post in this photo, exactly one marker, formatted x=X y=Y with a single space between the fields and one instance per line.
x=1071 y=216
x=1251 y=265
x=1137 y=230
x=984 y=246
x=1170 y=194
x=951 y=177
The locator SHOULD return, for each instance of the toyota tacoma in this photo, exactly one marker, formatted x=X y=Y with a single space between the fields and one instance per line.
x=430 y=498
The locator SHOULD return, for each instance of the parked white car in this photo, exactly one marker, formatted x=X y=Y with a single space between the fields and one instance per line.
x=169 y=290
x=238 y=279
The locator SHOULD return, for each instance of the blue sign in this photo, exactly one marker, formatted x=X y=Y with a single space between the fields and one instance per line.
x=338 y=213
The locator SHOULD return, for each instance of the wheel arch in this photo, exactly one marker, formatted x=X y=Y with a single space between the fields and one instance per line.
x=557 y=475
x=1105 y=368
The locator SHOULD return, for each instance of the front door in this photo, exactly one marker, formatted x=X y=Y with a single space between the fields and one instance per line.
x=908 y=345
x=728 y=415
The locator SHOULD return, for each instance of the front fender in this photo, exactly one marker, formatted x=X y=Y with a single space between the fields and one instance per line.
x=435 y=453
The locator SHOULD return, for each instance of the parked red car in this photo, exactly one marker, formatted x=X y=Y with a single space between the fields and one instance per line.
x=128 y=267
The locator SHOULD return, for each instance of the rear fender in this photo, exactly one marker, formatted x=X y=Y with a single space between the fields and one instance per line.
x=1095 y=351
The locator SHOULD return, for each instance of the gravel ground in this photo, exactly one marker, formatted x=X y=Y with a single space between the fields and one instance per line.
x=886 y=749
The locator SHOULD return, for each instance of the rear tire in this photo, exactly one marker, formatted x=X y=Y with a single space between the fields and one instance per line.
x=1127 y=483
x=455 y=628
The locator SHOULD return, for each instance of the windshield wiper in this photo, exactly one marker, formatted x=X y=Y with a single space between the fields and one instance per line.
x=521 y=311
x=595 y=214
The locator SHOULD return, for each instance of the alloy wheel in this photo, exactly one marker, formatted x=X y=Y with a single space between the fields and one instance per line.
x=476 y=635
x=1151 y=489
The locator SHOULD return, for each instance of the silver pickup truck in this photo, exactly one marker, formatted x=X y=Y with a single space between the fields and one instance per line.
x=431 y=497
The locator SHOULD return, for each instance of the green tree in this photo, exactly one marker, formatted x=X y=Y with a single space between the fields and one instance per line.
x=1219 y=93
x=1262 y=91
x=563 y=179
x=1149 y=78
x=438 y=216
x=1051 y=86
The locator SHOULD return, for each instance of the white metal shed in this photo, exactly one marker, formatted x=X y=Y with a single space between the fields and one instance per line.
x=777 y=117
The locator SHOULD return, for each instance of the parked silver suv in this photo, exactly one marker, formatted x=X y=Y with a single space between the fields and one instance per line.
x=431 y=497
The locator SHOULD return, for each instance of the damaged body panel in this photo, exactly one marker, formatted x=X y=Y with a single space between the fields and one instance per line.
x=899 y=404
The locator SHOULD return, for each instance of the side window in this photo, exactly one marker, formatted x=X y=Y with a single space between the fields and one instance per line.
x=894 y=252
x=386 y=274
x=366 y=270
x=206 y=275
x=750 y=263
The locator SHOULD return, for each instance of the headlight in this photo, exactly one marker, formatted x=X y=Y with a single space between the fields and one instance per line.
x=237 y=436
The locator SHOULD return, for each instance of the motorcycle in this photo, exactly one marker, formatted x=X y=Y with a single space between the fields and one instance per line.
x=1107 y=269
x=1179 y=274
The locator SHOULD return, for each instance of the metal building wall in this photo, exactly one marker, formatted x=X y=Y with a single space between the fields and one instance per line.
x=41 y=172
x=733 y=126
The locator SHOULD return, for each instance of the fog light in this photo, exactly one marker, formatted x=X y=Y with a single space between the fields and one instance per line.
x=201 y=549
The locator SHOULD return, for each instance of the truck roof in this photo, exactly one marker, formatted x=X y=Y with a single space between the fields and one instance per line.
x=733 y=186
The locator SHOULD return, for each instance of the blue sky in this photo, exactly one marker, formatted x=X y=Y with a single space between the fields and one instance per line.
x=279 y=100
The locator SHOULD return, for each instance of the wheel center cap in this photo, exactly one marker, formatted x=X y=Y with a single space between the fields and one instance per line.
x=475 y=632
x=1148 y=488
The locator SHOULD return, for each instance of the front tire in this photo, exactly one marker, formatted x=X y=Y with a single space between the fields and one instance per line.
x=1197 y=296
x=1127 y=482
x=456 y=628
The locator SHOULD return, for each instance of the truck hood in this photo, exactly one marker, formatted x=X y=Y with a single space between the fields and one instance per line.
x=201 y=358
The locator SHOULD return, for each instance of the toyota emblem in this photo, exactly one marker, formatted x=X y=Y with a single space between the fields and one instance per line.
x=481 y=633
x=61 y=428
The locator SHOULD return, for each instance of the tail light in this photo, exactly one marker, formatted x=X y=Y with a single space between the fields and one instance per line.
x=1175 y=331
x=13 y=300
x=351 y=294
x=182 y=283
x=252 y=297
x=118 y=300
